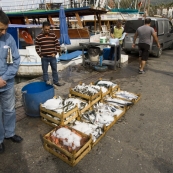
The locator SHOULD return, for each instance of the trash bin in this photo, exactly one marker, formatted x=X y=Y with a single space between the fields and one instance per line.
x=33 y=94
x=93 y=53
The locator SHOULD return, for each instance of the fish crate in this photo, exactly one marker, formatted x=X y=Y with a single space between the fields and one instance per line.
x=71 y=158
x=83 y=100
x=96 y=142
x=99 y=138
x=106 y=128
x=133 y=100
x=93 y=99
x=125 y=106
x=104 y=93
x=116 y=118
x=111 y=89
x=53 y=118
x=114 y=89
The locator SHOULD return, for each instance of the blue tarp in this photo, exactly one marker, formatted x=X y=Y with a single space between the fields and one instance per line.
x=69 y=56
x=64 y=37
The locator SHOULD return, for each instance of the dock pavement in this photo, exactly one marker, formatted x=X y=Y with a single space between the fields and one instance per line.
x=140 y=142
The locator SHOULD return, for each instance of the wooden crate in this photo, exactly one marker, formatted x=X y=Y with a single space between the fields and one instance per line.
x=114 y=89
x=116 y=118
x=85 y=108
x=100 y=137
x=104 y=94
x=125 y=107
x=93 y=99
x=71 y=115
x=134 y=100
x=70 y=158
x=111 y=89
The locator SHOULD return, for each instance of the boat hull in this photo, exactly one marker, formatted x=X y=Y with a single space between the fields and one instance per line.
x=32 y=70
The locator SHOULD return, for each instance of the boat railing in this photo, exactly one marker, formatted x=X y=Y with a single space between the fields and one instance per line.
x=28 y=5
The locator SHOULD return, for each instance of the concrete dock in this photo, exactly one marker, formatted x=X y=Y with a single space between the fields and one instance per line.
x=141 y=141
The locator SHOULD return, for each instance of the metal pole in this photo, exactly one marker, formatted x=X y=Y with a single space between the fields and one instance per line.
x=148 y=9
x=136 y=3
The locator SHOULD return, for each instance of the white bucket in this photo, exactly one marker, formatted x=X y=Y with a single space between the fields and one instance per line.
x=114 y=41
x=102 y=39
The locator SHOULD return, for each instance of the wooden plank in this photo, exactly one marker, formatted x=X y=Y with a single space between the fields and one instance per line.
x=71 y=163
x=27 y=20
x=95 y=23
x=62 y=116
x=78 y=20
x=51 y=20
x=75 y=33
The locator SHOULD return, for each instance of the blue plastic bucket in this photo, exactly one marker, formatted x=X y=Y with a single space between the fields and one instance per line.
x=33 y=94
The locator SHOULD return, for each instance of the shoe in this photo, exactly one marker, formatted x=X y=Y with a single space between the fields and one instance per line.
x=2 y=148
x=16 y=139
x=59 y=84
x=141 y=71
x=48 y=82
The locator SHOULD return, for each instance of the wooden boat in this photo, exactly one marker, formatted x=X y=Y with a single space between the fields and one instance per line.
x=50 y=11
x=30 y=62
x=22 y=15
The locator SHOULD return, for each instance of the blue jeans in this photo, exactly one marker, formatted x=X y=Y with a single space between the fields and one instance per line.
x=45 y=63
x=7 y=114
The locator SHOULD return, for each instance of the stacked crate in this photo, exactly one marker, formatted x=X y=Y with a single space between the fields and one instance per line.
x=50 y=117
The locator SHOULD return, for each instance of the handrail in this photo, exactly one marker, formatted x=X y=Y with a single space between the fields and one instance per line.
x=26 y=5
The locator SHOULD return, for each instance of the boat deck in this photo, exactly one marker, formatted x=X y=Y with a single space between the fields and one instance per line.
x=82 y=11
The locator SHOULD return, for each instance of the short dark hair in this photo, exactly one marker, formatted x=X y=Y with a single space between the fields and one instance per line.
x=46 y=23
x=4 y=18
x=147 y=21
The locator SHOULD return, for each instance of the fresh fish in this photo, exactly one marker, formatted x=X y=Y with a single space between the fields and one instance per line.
x=126 y=95
x=119 y=101
x=107 y=84
x=85 y=89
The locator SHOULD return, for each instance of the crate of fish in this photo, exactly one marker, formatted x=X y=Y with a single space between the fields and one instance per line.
x=67 y=144
x=125 y=95
x=88 y=92
x=58 y=111
x=108 y=114
x=82 y=104
x=104 y=90
x=89 y=128
x=119 y=102
x=98 y=120
x=107 y=84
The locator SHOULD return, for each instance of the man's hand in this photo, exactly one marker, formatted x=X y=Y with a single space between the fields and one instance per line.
x=53 y=55
x=158 y=45
x=2 y=82
x=133 y=45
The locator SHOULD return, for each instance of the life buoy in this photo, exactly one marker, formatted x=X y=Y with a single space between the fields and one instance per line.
x=26 y=36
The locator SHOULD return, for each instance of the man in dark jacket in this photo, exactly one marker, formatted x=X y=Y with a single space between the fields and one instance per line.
x=8 y=71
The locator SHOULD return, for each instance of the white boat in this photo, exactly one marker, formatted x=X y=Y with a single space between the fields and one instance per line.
x=30 y=62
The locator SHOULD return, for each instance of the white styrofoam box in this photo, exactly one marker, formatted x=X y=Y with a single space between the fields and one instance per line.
x=124 y=58
x=108 y=62
x=95 y=38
